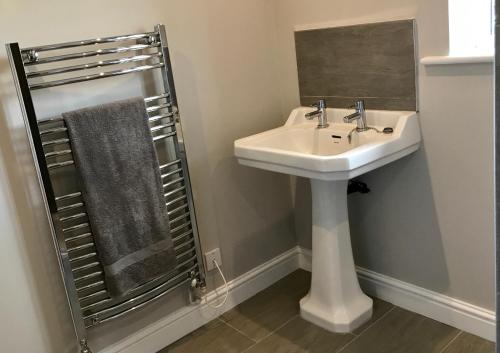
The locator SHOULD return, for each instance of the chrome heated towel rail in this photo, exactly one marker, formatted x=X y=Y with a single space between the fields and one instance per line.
x=47 y=66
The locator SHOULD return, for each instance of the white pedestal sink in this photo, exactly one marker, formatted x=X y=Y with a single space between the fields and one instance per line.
x=329 y=159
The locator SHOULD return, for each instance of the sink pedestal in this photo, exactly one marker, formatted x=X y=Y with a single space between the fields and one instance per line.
x=335 y=300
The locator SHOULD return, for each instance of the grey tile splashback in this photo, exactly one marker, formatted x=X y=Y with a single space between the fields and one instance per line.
x=374 y=62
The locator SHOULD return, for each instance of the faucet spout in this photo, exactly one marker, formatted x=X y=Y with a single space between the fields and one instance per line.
x=351 y=117
x=359 y=115
x=320 y=113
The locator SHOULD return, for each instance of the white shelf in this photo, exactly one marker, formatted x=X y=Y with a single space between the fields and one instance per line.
x=454 y=60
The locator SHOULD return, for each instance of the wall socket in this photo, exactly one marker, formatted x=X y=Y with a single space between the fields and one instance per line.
x=210 y=256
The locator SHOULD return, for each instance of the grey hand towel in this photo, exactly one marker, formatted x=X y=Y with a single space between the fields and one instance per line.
x=123 y=192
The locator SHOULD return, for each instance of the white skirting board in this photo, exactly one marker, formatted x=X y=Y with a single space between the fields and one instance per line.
x=442 y=308
x=462 y=315
x=183 y=321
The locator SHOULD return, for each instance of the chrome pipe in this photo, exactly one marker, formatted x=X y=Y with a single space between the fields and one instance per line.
x=70 y=207
x=161 y=96
x=83 y=257
x=173 y=172
x=175 y=210
x=102 y=63
x=73 y=217
x=180 y=198
x=184 y=225
x=161 y=137
x=87 y=54
x=55 y=142
x=78 y=237
x=78 y=226
x=86 y=266
x=173 y=182
x=179 y=218
x=186 y=243
x=68 y=196
x=184 y=253
x=58 y=153
x=169 y=164
x=94 y=76
x=52 y=131
x=182 y=236
x=89 y=286
x=86 y=42
x=160 y=127
x=160 y=116
x=170 y=193
x=158 y=107
x=93 y=295
x=81 y=247
x=60 y=164
x=90 y=275
x=157 y=293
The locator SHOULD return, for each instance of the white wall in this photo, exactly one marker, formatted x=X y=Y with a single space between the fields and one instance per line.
x=429 y=218
x=224 y=67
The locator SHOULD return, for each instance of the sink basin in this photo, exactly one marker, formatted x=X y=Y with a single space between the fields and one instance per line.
x=299 y=148
x=329 y=157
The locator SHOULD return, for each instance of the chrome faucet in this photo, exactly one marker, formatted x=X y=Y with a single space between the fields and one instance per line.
x=320 y=113
x=359 y=116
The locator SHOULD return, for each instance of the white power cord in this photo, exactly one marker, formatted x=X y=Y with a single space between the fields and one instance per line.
x=226 y=287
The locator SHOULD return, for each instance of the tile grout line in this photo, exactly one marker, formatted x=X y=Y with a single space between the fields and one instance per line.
x=356 y=337
x=449 y=343
x=237 y=330
x=270 y=333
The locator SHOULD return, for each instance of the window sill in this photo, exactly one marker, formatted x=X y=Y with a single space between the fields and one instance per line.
x=456 y=60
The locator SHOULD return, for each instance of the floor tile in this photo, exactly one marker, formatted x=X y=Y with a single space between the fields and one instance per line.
x=300 y=336
x=402 y=331
x=215 y=337
x=266 y=311
x=467 y=343
x=380 y=308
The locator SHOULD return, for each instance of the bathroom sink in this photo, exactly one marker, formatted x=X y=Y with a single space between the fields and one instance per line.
x=299 y=148
x=329 y=157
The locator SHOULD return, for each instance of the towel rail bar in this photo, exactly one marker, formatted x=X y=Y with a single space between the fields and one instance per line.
x=78 y=237
x=173 y=172
x=86 y=266
x=90 y=286
x=173 y=182
x=87 y=42
x=93 y=65
x=83 y=257
x=81 y=269
x=86 y=277
x=86 y=54
x=56 y=119
x=155 y=108
x=180 y=198
x=133 y=293
x=70 y=207
x=91 y=77
x=73 y=217
x=80 y=247
x=177 y=209
x=159 y=292
x=169 y=164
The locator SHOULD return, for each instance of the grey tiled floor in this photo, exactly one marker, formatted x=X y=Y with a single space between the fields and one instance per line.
x=269 y=322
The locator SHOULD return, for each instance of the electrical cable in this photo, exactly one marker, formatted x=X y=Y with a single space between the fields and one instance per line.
x=226 y=287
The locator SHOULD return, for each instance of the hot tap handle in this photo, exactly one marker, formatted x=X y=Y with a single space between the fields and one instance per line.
x=320 y=104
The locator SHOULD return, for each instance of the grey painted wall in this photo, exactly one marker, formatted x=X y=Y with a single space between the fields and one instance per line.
x=374 y=62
